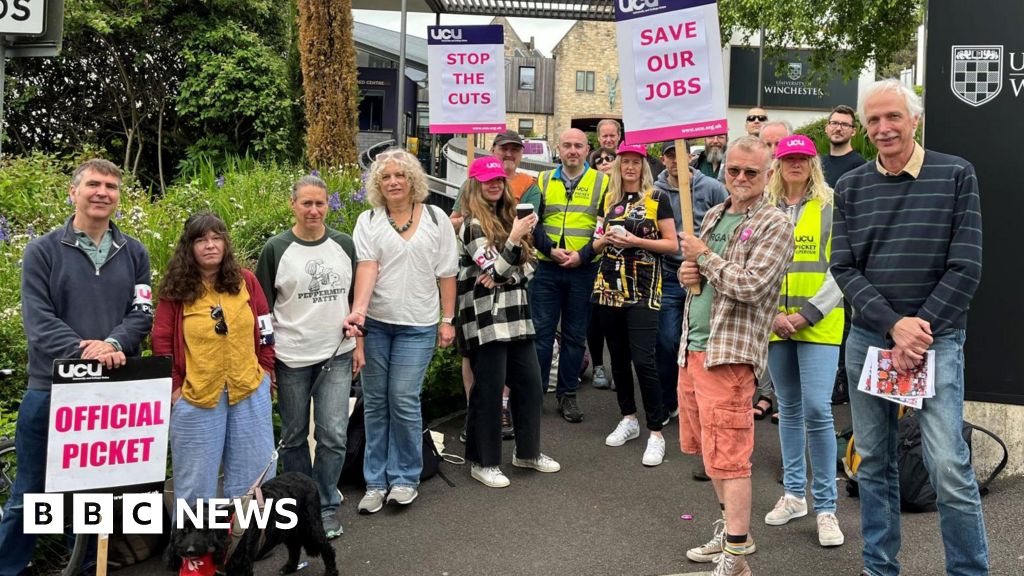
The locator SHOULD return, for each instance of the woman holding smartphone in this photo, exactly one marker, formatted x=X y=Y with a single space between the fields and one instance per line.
x=494 y=326
x=638 y=228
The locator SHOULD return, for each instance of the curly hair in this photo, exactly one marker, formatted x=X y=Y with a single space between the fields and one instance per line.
x=409 y=166
x=183 y=281
x=495 y=219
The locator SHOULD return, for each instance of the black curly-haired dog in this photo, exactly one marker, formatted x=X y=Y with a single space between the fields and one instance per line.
x=308 y=533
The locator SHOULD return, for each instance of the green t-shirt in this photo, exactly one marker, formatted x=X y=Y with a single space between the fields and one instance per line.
x=699 y=315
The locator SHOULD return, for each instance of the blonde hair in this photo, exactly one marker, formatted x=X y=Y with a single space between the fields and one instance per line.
x=408 y=163
x=818 y=189
x=614 y=194
x=495 y=219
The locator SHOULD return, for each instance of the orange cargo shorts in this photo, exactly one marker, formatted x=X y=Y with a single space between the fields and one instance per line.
x=716 y=416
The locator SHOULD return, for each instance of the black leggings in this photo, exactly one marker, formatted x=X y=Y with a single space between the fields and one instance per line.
x=496 y=365
x=632 y=333
x=596 y=337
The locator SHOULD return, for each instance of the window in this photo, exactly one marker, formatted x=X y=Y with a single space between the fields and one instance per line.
x=526 y=127
x=526 y=77
x=371 y=110
x=584 y=81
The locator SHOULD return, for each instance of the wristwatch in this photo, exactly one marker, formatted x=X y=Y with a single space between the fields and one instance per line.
x=702 y=257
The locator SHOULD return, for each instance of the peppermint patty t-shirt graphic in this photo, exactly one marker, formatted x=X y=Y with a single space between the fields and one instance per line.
x=324 y=285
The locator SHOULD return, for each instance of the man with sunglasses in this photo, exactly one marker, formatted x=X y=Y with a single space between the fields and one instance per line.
x=756 y=117
x=739 y=261
x=85 y=293
x=841 y=157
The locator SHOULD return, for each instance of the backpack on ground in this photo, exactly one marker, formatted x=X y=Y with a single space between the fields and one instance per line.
x=916 y=491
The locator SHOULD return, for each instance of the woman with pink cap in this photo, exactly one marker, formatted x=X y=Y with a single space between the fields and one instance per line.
x=805 y=340
x=496 y=259
x=638 y=228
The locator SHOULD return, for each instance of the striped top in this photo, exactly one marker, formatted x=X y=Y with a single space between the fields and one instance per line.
x=485 y=315
x=908 y=246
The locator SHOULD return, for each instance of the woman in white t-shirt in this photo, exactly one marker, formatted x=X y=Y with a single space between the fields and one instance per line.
x=405 y=250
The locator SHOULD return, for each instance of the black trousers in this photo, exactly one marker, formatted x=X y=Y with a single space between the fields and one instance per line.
x=595 y=337
x=632 y=333
x=496 y=365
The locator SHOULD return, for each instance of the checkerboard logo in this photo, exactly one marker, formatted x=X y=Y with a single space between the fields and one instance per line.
x=977 y=73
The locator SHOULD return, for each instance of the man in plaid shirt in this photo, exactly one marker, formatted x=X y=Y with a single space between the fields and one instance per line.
x=745 y=247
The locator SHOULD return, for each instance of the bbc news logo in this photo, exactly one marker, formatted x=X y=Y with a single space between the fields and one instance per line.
x=143 y=513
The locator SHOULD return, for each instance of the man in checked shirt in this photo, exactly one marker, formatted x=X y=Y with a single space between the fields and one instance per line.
x=739 y=260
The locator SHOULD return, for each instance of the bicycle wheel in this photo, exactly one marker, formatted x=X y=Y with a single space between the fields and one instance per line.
x=52 y=551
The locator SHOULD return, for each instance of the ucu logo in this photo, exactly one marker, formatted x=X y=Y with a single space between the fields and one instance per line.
x=634 y=5
x=446 y=34
x=80 y=370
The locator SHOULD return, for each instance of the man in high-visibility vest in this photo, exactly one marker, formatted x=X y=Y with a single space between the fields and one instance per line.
x=572 y=197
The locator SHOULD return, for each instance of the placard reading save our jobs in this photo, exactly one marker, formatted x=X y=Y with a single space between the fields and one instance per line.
x=676 y=88
x=466 y=79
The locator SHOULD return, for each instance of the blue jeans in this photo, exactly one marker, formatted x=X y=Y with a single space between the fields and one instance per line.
x=946 y=457
x=561 y=293
x=670 y=330
x=397 y=357
x=330 y=404
x=16 y=547
x=803 y=378
x=239 y=438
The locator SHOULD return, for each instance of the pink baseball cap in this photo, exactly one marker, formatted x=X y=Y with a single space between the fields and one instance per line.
x=486 y=168
x=632 y=149
x=795 y=144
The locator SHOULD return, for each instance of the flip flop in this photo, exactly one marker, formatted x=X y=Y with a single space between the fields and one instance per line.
x=775 y=418
x=761 y=411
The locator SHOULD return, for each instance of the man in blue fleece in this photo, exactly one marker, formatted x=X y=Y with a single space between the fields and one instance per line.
x=85 y=293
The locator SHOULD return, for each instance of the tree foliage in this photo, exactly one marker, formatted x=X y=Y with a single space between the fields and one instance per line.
x=328 y=57
x=845 y=34
x=152 y=82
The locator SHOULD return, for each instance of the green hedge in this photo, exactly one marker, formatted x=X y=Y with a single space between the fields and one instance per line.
x=251 y=197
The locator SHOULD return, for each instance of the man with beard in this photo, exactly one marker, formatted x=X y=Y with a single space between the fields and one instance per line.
x=841 y=157
x=709 y=161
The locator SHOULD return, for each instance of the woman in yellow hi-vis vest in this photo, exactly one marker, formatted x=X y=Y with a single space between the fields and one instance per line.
x=805 y=340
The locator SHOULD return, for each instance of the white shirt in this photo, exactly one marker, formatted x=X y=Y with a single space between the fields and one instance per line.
x=406 y=291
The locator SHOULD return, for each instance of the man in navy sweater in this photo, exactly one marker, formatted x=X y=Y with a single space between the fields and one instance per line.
x=85 y=293
x=906 y=251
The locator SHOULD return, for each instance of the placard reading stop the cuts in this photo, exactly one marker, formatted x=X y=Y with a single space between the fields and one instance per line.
x=108 y=427
x=466 y=78
x=676 y=89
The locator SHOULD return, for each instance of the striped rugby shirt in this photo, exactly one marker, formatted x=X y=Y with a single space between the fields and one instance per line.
x=908 y=244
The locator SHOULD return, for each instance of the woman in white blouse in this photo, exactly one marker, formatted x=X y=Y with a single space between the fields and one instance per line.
x=406 y=250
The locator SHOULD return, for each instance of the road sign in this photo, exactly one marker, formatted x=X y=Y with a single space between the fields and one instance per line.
x=22 y=17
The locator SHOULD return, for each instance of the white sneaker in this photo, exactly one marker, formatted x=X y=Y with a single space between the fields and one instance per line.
x=655 y=452
x=490 y=476
x=628 y=429
x=542 y=463
x=787 y=508
x=829 y=533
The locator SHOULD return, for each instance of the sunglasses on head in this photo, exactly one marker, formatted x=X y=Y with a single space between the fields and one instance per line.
x=603 y=159
x=758 y=117
x=217 y=313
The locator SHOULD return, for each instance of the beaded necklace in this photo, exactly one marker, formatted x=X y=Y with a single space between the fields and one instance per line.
x=403 y=228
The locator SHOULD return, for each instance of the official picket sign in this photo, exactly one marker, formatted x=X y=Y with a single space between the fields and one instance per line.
x=676 y=88
x=466 y=78
x=108 y=428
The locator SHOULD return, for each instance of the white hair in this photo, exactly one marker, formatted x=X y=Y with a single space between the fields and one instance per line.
x=784 y=123
x=912 y=100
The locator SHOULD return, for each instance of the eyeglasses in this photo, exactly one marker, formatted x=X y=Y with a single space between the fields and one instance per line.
x=758 y=117
x=603 y=159
x=749 y=173
x=217 y=313
x=836 y=124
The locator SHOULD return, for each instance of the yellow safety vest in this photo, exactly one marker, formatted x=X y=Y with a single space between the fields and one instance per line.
x=572 y=219
x=813 y=235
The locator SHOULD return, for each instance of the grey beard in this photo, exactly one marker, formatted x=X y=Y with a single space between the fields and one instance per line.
x=715 y=155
